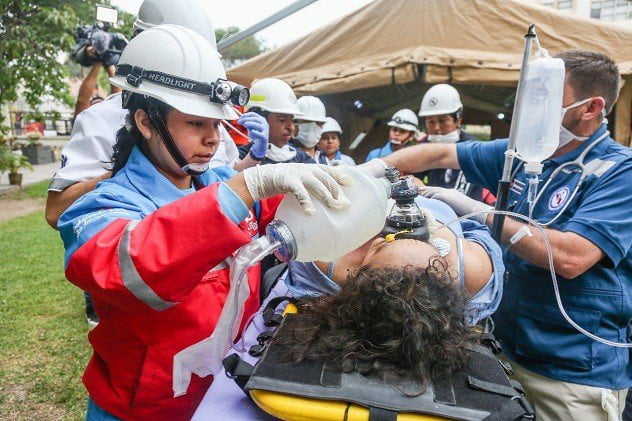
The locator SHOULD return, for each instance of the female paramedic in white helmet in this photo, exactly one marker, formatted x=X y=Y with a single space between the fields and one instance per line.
x=85 y=156
x=310 y=124
x=404 y=125
x=329 y=146
x=153 y=244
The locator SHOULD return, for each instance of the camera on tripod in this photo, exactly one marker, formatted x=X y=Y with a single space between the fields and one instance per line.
x=95 y=43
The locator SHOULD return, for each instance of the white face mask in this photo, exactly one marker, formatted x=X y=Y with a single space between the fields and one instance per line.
x=451 y=137
x=195 y=169
x=277 y=154
x=309 y=134
x=566 y=136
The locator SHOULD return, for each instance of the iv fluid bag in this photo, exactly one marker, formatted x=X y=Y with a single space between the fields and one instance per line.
x=328 y=234
x=538 y=133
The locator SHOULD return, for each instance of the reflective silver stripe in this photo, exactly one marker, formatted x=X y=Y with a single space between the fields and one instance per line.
x=60 y=184
x=222 y=265
x=595 y=167
x=131 y=278
x=598 y=167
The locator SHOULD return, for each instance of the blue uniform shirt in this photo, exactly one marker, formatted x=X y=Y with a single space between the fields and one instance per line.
x=385 y=150
x=528 y=323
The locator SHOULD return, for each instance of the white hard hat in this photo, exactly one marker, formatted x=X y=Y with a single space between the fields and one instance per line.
x=331 y=125
x=273 y=95
x=174 y=64
x=312 y=108
x=187 y=13
x=404 y=119
x=441 y=99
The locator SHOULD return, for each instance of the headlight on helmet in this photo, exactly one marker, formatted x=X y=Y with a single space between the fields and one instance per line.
x=240 y=95
x=221 y=91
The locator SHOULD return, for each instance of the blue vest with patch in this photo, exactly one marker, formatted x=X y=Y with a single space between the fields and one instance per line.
x=529 y=323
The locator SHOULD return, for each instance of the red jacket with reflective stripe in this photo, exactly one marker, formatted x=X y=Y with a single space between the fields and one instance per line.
x=173 y=251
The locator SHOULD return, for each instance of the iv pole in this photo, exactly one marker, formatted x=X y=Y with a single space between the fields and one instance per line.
x=505 y=183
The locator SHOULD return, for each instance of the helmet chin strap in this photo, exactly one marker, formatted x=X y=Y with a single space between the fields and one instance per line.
x=191 y=169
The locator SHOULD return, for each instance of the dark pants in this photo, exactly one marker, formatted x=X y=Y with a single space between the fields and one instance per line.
x=89 y=304
x=627 y=414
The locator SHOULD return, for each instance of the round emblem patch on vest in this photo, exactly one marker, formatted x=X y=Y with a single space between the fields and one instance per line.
x=558 y=198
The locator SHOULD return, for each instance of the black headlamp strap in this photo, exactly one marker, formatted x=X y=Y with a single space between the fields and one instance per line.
x=156 y=119
x=219 y=92
x=135 y=75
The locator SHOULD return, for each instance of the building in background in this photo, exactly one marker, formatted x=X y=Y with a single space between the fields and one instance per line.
x=619 y=11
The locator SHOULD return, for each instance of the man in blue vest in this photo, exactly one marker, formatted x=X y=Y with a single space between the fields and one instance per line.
x=566 y=374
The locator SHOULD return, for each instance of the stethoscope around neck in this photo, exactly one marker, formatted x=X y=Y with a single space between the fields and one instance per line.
x=577 y=163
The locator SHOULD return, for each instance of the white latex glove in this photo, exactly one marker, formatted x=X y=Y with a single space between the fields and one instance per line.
x=301 y=180
x=460 y=203
x=374 y=167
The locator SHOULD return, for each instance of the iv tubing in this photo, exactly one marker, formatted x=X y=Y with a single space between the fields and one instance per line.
x=549 y=251
x=532 y=193
x=242 y=272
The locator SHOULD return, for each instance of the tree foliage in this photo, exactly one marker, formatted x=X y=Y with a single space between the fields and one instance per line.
x=243 y=50
x=34 y=35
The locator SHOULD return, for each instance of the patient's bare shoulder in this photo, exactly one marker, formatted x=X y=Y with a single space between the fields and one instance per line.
x=477 y=266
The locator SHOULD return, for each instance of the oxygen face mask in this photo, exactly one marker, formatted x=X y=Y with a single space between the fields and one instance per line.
x=405 y=220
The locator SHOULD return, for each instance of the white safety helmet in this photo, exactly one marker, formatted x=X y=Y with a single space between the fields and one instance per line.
x=312 y=108
x=274 y=96
x=331 y=126
x=441 y=99
x=405 y=119
x=177 y=66
x=187 y=13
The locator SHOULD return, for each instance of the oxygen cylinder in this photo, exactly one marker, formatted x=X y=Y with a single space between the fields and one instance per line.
x=538 y=133
x=328 y=234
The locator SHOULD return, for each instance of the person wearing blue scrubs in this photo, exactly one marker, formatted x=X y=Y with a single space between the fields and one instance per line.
x=566 y=374
x=403 y=128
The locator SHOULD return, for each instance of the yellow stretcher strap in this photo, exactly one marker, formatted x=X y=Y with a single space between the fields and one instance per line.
x=296 y=408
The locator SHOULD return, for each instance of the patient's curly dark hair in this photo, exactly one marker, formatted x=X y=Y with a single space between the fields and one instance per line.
x=388 y=322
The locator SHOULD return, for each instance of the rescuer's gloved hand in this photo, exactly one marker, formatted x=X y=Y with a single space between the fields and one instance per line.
x=460 y=203
x=301 y=180
x=374 y=167
x=258 y=132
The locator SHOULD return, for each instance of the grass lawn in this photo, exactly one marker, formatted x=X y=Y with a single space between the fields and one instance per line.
x=29 y=192
x=43 y=332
